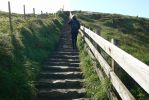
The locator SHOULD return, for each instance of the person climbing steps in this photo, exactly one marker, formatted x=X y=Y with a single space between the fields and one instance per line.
x=75 y=26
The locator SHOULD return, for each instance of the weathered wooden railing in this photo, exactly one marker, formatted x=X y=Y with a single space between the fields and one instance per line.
x=135 y=68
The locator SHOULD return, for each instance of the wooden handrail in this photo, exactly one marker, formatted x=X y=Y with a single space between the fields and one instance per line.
x=135 y=68
x=116 y=82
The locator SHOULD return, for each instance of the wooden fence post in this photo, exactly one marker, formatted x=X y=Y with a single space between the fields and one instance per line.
x=97 y=31
x=46 y=13
x=115 y=42
x=88 y=36
x=114 y=68
x=24 y=12
x=41 y=12
x=96 y=46
x=55 y=16
x=34 y=12
x=10 y=19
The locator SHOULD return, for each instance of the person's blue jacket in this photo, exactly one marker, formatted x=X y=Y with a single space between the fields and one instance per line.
x=75 y=25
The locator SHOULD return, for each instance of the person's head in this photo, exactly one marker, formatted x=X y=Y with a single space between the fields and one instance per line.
x=74 y=18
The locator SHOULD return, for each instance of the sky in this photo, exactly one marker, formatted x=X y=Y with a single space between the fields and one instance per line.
x=126 y=7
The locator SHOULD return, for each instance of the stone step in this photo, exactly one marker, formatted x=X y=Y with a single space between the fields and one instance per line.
x=62 y=94
x=65 y=57
x=65 y=43
x=82 y=99
x=60 y=84
x=64 y=39
x=66 y=54
x=66 y=50
x=61 y=75
x=60 y=69
x=62 y=52
x=64 y=47
x=64 y=99
x=62 y=61
x=62 y=64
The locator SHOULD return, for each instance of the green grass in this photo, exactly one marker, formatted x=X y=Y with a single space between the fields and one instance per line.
x=96 y=89
x=22 y=53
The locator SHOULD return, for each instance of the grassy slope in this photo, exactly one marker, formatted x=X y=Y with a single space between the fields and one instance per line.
x=22 y=53
x=133 y=34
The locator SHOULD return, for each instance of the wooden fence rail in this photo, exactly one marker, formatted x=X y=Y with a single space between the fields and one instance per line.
x=135 y=68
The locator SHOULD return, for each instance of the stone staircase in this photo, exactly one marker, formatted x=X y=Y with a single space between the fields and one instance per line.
x=61 y=77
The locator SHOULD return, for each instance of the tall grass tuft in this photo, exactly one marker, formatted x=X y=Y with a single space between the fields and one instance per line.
x=96 y=89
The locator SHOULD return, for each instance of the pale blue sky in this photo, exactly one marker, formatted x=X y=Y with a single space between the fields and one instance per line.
x=126 y=7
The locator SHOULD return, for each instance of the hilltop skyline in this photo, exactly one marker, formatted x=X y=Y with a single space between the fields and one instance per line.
x=128 y=7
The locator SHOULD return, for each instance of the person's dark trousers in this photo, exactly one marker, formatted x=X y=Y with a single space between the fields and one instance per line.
x=74 y=39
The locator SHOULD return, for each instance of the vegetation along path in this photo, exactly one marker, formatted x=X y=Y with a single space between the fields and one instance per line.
x=61 y=78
